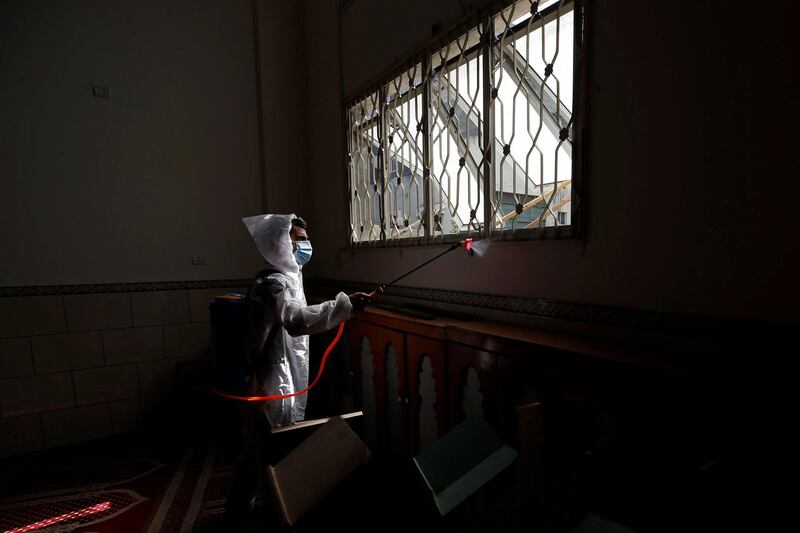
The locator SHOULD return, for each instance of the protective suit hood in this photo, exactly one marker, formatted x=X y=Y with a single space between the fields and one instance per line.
x=271 y=233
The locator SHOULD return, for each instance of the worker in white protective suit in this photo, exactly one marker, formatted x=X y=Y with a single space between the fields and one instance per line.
x=280 y=322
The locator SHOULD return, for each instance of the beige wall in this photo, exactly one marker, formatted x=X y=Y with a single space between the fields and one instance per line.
x=689 y=183
x=283 y=81
x=129 y=188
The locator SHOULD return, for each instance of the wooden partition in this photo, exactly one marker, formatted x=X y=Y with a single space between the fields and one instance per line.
x=643 y=429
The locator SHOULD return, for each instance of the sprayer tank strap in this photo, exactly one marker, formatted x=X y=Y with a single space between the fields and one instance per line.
x=271 y=334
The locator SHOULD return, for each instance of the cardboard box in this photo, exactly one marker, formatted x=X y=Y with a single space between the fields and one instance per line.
x=316 y=467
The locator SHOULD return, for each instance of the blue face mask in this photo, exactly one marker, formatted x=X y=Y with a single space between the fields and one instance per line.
x=303 y=252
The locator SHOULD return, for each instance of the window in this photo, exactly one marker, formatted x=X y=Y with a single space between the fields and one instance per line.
x=449 y=147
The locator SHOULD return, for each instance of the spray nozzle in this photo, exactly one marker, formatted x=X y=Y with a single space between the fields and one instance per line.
x=377 y=291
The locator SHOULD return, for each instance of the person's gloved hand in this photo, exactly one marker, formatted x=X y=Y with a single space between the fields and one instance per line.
x=359 y=300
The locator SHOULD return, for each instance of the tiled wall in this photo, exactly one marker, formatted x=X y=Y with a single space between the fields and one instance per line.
x=81 y=366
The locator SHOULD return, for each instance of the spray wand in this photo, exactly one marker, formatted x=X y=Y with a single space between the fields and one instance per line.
x=467 y=243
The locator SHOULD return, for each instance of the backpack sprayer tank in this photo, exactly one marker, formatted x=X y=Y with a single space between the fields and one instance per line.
x=228 y=333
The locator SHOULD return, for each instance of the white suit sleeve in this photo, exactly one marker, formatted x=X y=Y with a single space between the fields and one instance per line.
x=309 y=319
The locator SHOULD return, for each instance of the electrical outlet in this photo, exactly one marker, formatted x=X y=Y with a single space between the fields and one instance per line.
x=101 y=92
x=198 y=260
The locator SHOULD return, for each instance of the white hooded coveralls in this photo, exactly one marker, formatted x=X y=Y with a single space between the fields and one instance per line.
x=280 y=321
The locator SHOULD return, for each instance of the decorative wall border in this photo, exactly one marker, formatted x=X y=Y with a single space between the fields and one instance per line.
x=53 y=290
x=605 y=315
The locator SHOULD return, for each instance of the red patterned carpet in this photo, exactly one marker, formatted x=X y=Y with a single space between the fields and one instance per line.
x=140 y=485
x=151 y=482
x=115 y=485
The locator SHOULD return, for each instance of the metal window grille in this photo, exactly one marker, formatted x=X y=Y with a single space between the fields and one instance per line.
x=405 y=158
x=476 y=138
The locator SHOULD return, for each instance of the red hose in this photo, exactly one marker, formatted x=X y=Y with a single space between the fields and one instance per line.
x=330 y=348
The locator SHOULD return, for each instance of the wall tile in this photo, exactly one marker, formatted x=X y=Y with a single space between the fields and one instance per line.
x=34 y=394
x=31 y=315
x=56 y=353
x=98 y=311
x=157 y=377
x=161 y=307
x=106 y=384
x=187 y=340
x=15 y=357
x=134 y=344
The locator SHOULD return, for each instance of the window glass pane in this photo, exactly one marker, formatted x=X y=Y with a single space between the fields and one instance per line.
x=457 y=142
x=405 y=186
x=532 y=112
x=363 y=142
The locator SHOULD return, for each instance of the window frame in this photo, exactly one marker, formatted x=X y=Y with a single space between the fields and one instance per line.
x=483 y=18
